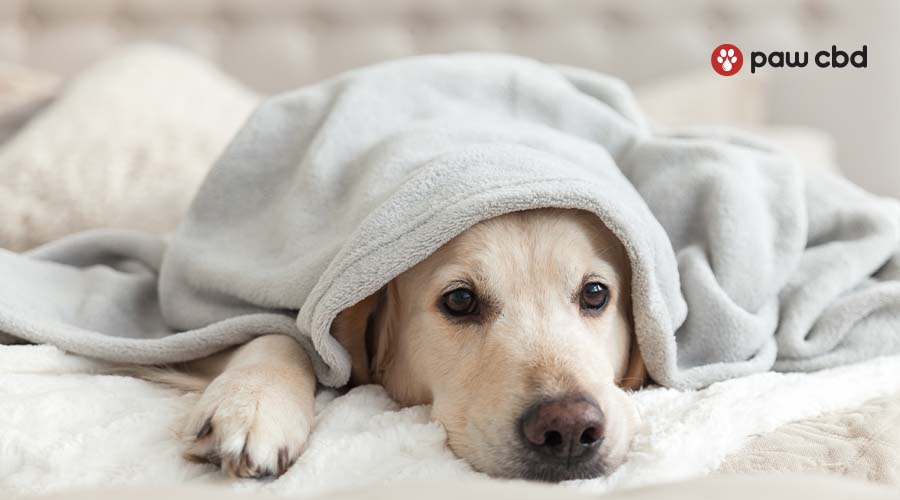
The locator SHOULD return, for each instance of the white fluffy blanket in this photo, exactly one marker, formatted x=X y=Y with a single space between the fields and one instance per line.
x=62 y=427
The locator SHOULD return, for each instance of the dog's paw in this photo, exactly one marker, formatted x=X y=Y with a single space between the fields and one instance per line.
x=250 y=421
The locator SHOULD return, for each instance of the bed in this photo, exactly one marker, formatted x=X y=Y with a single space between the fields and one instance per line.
x=67 y=167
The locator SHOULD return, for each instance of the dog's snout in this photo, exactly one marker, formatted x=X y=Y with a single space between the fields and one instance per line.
x=568 y=429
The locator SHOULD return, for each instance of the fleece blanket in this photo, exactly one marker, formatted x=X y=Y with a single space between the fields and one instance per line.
x=120 y=431
x=330 y=191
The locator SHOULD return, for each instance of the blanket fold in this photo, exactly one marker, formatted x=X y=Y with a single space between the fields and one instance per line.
x=739 y=264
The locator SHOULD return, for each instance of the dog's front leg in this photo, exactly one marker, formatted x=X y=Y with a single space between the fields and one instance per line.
x=256 y=414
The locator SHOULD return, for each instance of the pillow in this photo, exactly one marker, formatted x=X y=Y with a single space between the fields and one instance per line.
x=125 y=144
x=23 y=92
x=813 y=150
x=704 y=98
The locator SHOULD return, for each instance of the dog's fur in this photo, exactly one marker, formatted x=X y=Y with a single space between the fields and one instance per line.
x=531 y=341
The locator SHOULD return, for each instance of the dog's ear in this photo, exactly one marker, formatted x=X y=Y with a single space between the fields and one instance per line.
x=636 y=376
x=359 y=329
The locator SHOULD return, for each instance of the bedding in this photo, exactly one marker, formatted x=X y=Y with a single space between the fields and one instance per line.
x=23 y=93
x=82 y=151
x=330 y=191
x=771 y=487
x=701 y=98
x=861 y=442
x=123 y=145
x=65 y=425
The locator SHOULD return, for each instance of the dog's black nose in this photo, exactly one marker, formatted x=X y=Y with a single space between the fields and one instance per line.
x=568 y=429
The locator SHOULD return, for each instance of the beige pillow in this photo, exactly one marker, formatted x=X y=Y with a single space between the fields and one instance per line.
x=704 y=98
x=23 y=92
x=813 y=150
x=125 y=144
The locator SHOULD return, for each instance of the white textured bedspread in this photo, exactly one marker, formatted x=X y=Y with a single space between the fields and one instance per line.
x=62 y=427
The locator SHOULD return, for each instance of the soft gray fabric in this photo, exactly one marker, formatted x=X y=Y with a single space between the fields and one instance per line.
x=330 y=191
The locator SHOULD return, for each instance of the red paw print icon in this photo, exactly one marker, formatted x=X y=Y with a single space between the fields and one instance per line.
x=726 y=59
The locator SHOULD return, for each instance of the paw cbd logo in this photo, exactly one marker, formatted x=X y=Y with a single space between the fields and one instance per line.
x=726 y=59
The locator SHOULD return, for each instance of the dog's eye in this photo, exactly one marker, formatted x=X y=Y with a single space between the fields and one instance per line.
x=460 y=302
x=594 y=296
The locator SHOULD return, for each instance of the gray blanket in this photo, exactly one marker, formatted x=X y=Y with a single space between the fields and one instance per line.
x=740 y=264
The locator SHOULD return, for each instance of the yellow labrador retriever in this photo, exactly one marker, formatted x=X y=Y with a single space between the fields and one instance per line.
x=518 y=332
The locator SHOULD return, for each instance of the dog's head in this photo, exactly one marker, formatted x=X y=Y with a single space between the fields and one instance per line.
x=519 y=333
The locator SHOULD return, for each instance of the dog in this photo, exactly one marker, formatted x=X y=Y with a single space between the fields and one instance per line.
x=518 y=332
